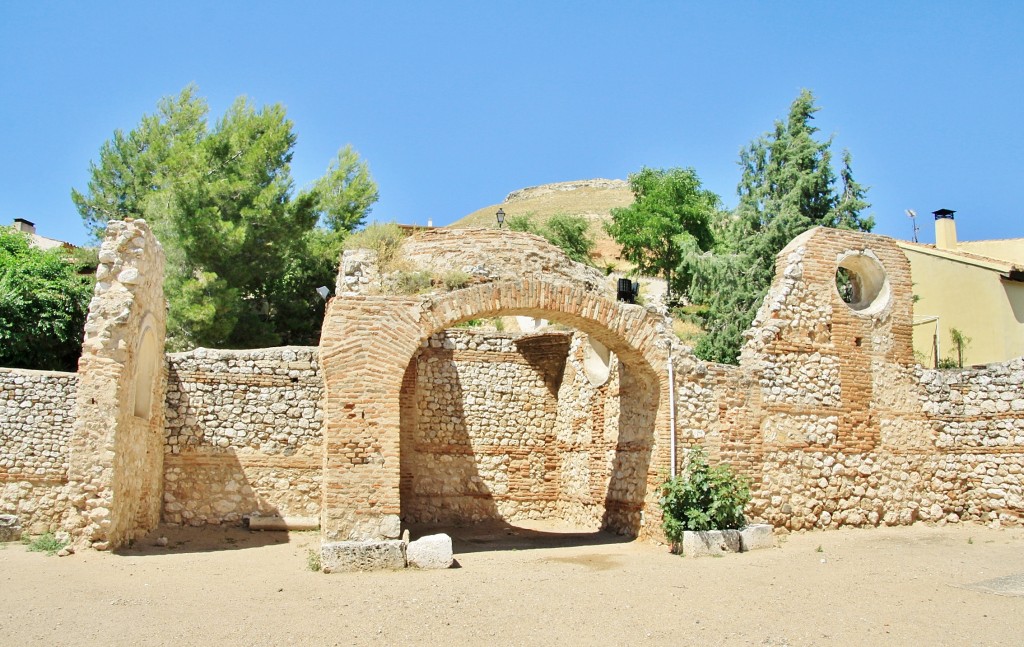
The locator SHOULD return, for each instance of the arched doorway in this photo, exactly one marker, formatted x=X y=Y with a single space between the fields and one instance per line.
x=524 y=429
x=366 y=349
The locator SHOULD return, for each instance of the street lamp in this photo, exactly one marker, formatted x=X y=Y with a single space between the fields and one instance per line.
x=501 y=217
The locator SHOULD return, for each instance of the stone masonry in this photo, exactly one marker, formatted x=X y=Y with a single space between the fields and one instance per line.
x=398 y=417
x=833 y=421
x=507 y=427
x=116 y=448
x=366 y=347
x=243 y=435
x=37 y=412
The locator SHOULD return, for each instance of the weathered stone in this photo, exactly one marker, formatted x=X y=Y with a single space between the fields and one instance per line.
x=756 y=536
x=827 y=412
x=432 y=551
x=341 y=556
x=698 y=543
x=260 y=522
x=10 y=528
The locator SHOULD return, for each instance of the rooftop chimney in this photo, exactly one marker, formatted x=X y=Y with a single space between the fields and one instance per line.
x=945 y=229
x=20 y=224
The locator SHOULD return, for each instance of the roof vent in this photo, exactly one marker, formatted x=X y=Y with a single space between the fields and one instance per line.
x=945 y=229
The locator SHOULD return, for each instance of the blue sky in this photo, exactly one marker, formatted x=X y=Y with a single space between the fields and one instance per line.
x=455 y=104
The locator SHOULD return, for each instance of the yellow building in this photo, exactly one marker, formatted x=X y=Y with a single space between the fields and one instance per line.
x=974 y=287
x=42 y=242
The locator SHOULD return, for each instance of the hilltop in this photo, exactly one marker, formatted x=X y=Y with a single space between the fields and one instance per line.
x=592 y=199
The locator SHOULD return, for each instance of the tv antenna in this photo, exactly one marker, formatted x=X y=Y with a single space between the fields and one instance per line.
x=913 y=219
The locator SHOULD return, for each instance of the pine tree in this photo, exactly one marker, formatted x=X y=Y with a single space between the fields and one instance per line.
x=787 y=187
x=245 y=253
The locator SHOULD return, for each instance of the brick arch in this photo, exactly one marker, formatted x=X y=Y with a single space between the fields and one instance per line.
x=366 y=345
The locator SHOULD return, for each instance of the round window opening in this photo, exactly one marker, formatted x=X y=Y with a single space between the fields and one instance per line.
x=862 y=283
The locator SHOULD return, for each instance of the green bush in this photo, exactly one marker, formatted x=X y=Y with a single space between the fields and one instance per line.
x=45 y=543
x=704 y=498
x=570 y=233
x=456 y=280
x=313 y=560
x=412 y=282
x=383 y=238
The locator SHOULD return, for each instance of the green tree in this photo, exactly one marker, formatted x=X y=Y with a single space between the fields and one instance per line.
x=245 y=251
x=133 y=166
x=570 y=233
x=44 y=300
x=671 y=215
x=787 y=187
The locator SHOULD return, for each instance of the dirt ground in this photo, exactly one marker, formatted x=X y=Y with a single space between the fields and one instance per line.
x=952 y=585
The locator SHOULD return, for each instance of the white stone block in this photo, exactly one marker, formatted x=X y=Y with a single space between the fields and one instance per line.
x=697 y=543
x=432 y=551
x=341 y=556
x=756 y=536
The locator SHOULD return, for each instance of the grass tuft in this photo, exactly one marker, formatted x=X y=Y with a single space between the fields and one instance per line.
x=45 y=543
x=313 y=560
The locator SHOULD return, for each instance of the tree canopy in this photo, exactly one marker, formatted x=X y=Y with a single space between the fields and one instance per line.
x=670 y=215
x=787 y=187
x=245 y=250
x=44 y=300
x=570 y=233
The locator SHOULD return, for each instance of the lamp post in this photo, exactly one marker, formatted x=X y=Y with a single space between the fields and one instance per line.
x=501 y=217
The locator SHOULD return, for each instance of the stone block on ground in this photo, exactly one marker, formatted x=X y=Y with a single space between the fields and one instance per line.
x=756 y=536
x=432 y=551
x=10 y=528
x=275 y=522
x=340 y=556
x=698 y=543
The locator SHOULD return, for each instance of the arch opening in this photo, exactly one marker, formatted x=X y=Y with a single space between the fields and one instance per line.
x=548 y=429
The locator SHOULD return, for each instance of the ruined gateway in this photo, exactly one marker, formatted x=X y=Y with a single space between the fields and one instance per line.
x=399 y=418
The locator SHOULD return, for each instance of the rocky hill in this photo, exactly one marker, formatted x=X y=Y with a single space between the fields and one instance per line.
x=592 y=199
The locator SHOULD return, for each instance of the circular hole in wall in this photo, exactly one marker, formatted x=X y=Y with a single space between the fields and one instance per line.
x=597 y=360
x=862 y=282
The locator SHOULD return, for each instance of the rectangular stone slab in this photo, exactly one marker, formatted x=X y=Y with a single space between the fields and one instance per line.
x=756 y=536
x=697 y=543
x=340 y=556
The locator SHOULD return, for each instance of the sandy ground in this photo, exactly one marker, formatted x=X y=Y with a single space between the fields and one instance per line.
x=227 y=586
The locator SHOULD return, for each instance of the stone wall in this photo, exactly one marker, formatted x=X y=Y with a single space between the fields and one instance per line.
x=116 y=461
x=478 y=427
x=243 y=435
x=37 y=412
x=367 y=345
x=500 y=426
x=410 y=418
x=834 y=423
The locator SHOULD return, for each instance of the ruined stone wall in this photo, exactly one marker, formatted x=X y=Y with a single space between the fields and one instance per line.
x=832 y=420
x=243 y=435
x=37 y=412
x=367 y=345
x=478 y=438
x=511 y=427
x=587 y=433
x=116 y=461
